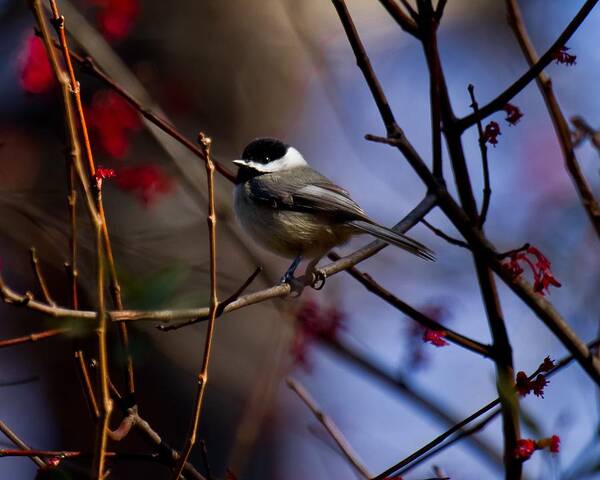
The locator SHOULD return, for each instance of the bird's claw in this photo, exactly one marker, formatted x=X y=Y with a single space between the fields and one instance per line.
x=296 y=285
x=318 y=280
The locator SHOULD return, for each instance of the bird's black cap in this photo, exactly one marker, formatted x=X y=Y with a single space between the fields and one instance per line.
x=264 y=150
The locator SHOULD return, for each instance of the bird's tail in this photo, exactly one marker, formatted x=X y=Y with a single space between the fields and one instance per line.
x=394 y=238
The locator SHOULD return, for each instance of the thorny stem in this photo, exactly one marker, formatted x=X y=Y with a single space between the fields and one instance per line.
x=330 y=427
x=487 y=191
x=211 y=220
x=59 y=24
x=586 y=196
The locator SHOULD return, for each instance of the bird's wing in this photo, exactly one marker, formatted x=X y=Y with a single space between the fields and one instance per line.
x=307 y=191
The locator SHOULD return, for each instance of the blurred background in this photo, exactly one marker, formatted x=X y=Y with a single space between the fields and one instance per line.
x=237 y=70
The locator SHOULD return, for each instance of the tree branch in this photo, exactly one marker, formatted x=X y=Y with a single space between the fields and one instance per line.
x=586 y=196
x=211 y=220
x=331 y=428
x=501 y=100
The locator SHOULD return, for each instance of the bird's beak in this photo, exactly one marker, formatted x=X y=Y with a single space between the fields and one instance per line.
x=240 y=163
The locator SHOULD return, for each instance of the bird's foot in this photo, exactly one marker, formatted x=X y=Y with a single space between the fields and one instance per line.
x=318 y=279
x=296 y=284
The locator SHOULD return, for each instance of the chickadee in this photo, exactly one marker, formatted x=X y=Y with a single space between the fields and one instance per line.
x=296 y=212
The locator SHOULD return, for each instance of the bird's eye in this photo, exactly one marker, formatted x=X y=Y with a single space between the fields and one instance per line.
x=268 y=159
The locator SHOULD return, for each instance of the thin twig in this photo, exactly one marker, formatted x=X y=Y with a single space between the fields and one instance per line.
x=561 y=127
x=508 y=253
x=428 y=23
x=439 y=10
x=69 y=454
x=501 y=100
x=68 y=87
x=33 y=337
x=465 y=433
x=59 y=24
x=411 y=11
x=35 y=264
x=487 y=191
x=71 y=267
x=445 y=236
x=487 y=283
x=211 y=219
x=402 y=384
x=150 y=435
x=402 y=19
x=370 y=284
x=88 y=65
x=14 y=438
x=330 y=426
x=86 y=384
x=222 y=305
x=584 y=130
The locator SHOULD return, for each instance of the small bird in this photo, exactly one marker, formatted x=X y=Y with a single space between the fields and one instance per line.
x=294 y=211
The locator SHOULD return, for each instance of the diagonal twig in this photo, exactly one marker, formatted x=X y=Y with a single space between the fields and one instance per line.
x=501 y=100
x=445 y=236
x=330 y=426
x=586 y=196
x=14 y=438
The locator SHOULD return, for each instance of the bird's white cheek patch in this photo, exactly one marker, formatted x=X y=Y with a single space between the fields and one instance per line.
x=291 y=159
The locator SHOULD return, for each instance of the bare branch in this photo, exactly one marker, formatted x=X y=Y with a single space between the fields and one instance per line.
x=331 y=428
x=14 y=438
x=448 y=238
x=525 y=79
x=35 y=264
x=487 y=191
x=211 y=219
x=588 y=201
x=33 y=337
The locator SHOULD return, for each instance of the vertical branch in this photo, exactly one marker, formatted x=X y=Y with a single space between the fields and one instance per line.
x=106 y=402
x=487 y=191
x=211 y=220
x=86 y=384
x=35 y=264
x=589 y=202
x=71 y=267
x=75 y=155
x=487 y=285
x=428 y=23
x=58 y=22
